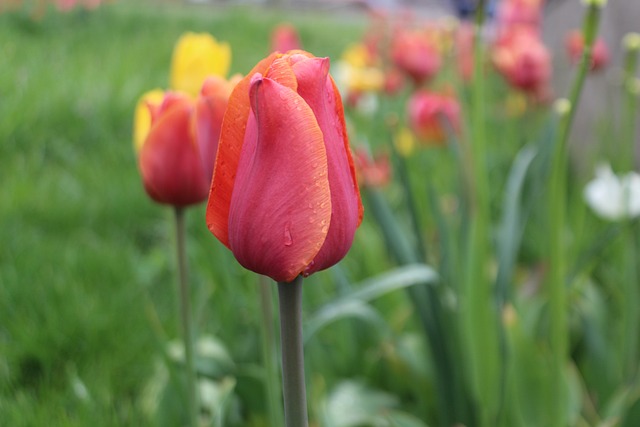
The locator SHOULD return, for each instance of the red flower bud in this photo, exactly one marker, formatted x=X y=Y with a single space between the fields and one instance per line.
x=170 y=163
x=284 y=196
x=415 y=54
x=431 y=113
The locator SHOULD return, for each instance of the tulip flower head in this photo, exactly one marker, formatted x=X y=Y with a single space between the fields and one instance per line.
x=169 y=159
x=414 y=53
x=575 y=46
x=284 y=196
x=519 y=13
x=285 y=38
x=195 y=57
x=431 y=113
x=524 y=61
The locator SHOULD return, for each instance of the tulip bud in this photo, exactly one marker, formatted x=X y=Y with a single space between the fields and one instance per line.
x=285 y=38
x=195 y=57
x=431 y=113
x=524 y=61
x=416 y=55
x=169 y=159
x=284 y=196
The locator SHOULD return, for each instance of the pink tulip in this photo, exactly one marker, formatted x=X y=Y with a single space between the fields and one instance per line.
x=285 y=38
x=575 y=46
x=416 y=55
x=430 y=114
x=523 y=60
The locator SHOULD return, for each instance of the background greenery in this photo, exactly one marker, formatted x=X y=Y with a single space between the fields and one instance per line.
x=87 y=275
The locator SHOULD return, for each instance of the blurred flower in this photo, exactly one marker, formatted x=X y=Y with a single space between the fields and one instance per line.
x=284 y=38
x=284 y=196
x=143 y=115
x=65 y=5
x=393 y=81
x=195 y=57
x=372 y=172
x=416 y=55
x=519 y=13
x=365 y=103
x=575 y=45
x=350 y=78
x=614 y=197
x=431 y=114
x=210 y=108
x=404 y=141
x=465 y=36
x=523 y=60
x=173 y=171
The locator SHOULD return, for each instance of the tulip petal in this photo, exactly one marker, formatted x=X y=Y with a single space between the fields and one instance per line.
x=169 y=160
x=282 y=72
x=208 y=117
x=318 y=90
x=281 y=206
x=230 y=145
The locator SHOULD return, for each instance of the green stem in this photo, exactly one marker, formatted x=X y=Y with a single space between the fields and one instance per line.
x=185 y=319
x=269 y=350
x=559 y=328
x=294 y=390
x=630 y=106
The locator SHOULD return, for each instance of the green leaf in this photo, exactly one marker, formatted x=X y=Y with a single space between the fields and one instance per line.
x=354 y=304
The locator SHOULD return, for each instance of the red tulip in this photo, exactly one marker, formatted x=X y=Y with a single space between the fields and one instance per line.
x=575 y=46
x=522 y=58
x=284 y=196
x=416 y=55
x=285 y=38
x=173 y=171
x=430 y=114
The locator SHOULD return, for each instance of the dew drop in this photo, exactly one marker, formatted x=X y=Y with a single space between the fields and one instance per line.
x=288 y=241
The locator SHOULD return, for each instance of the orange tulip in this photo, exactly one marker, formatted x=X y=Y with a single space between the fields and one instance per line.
x=284 y=196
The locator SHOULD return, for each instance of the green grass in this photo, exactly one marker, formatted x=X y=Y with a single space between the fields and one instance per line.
x=85 y=255
x=87 y=264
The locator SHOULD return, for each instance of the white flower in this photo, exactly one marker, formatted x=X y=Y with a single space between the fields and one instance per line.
x=612 y=197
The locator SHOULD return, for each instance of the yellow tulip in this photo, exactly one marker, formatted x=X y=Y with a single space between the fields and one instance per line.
x=142 y=116
x=196 y=56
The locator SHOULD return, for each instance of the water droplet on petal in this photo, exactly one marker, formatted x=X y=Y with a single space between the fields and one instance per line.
x=288 y=241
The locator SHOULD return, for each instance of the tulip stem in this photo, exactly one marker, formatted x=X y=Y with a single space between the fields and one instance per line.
x=185 y=319
x=294 y=390
x=557 y=285
x=269 y=353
